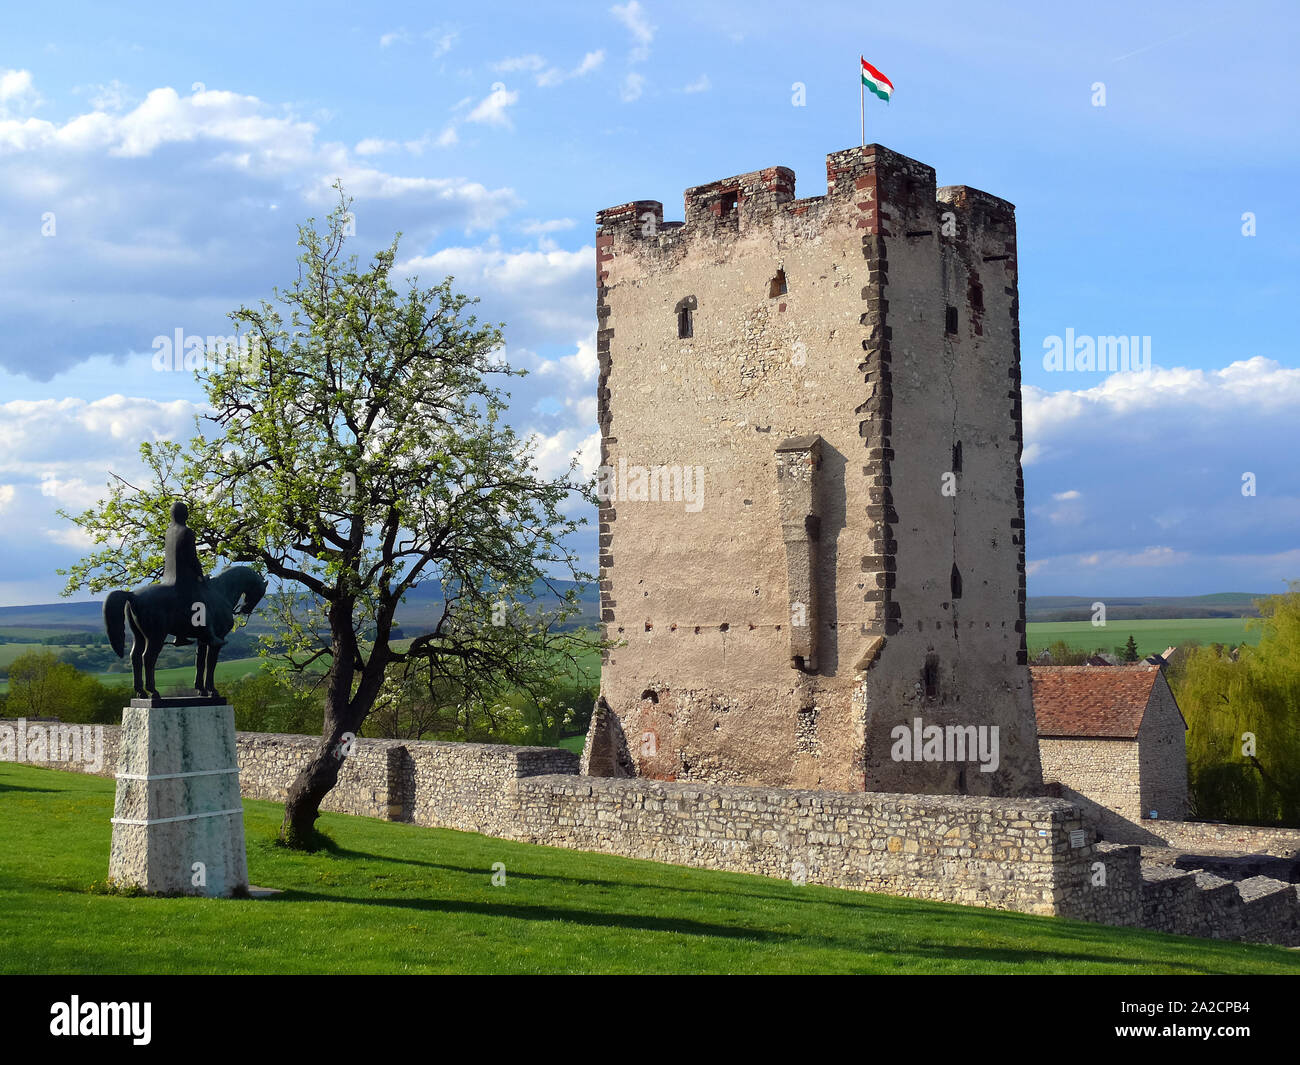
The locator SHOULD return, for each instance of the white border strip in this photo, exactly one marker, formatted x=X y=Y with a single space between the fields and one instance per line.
x=175 y=776
x=169 y=820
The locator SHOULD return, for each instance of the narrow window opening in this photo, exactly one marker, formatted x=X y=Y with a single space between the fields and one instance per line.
x=950 y=324
x=930 y=676
x=778 y=286
x=728 y=201
x=956 y=457
x=685 y=317
x=956 y=581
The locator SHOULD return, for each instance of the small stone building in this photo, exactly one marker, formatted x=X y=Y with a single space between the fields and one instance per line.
x=1115 y=740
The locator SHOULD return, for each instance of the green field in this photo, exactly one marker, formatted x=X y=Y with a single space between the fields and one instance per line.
x=1152 y=637
x=22 y=632
x=166 y=678
x=396 y=898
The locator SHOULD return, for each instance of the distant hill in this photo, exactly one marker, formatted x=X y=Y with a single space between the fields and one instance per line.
x=1148 y=607
x=75 y=617
x=422 y=606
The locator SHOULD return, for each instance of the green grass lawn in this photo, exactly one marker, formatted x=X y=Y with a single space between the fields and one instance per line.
x=402 y=899
x=1152 y=637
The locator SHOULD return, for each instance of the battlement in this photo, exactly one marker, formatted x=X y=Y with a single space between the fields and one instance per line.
x=882 y=185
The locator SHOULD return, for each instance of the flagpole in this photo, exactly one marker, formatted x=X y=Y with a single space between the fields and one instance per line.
x=862 y=106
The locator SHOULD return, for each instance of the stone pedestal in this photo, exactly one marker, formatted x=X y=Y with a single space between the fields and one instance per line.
x=178 y=825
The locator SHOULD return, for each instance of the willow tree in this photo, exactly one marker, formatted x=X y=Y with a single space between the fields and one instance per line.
x=1243 y=721
x=354 y=450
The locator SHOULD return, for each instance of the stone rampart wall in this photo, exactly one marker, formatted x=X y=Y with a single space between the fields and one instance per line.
x=1033 y=855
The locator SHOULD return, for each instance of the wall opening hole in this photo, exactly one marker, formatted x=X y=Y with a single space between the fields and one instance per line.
x=777 y=287
x=930 y=676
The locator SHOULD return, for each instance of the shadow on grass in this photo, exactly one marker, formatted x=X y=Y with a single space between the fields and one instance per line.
x=548 y=914
x=775 y=895
x=912 y=956
x=1008 y=924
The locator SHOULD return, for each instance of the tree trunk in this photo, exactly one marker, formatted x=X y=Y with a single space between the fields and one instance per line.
x=344 y=715
x=308 y=790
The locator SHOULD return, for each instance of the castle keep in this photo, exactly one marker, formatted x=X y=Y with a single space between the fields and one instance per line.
x=812 y=523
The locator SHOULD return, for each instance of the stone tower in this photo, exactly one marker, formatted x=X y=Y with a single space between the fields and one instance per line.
x=812 y=520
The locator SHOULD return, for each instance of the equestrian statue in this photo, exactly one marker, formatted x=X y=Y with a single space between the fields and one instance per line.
x=185 y=605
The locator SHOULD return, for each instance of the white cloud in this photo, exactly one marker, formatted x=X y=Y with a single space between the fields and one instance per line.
x=172 y=213
x=70 y=536
x=17 y=91
x=633 y=86
x=416 y=146
x=443 y=42
x=700 y=84
x=544 y=296
x=531 y=62
x=113 y=96
x=554 y=452
x=394 y=37
x=633 y=16
x=491 y=110
x=554 y=75
x=375 y=146
x=57 y=453
x=551 y=225
x=1148 y=475
x=580 y=368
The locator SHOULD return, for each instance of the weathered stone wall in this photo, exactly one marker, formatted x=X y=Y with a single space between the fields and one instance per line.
x=60 y=748
x=1163 y=759
x=471 y=786
x=761 y=319
x=1105 y=773
x=954 y=645
x=370 y=784
x=1229 y=839
x=999 y=853
x=1034 y=855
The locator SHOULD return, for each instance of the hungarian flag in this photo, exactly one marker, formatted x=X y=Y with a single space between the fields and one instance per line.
x=876 y=82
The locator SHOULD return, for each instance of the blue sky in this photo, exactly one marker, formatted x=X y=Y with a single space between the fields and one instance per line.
x=177 y=150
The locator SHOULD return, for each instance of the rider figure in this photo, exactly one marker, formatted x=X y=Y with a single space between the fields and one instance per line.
x=183 y=570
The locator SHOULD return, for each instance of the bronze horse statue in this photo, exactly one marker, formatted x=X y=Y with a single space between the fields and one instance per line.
x=157 y=611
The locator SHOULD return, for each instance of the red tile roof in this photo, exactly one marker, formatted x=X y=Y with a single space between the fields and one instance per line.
x=1087 y=701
